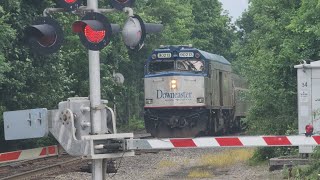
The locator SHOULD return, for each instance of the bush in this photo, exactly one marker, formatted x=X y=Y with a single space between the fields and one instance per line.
x=309 y=172
x=265 y=153
x=135 y=124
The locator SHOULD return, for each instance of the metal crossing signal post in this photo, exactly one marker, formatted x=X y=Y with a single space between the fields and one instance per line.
x=98 y=167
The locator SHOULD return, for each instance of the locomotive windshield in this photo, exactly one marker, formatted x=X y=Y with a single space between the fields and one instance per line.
x=186 y=65
x=161 y=66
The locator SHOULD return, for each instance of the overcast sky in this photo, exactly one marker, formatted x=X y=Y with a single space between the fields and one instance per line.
x=235 y=7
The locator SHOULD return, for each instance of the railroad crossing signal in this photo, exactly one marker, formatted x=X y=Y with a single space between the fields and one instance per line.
x=94 y=31
x=120 y=4
x=69 y=5
x=44 y=36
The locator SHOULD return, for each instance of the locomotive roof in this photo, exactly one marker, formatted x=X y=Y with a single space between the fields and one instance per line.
x=206 y=55
x=214 y=57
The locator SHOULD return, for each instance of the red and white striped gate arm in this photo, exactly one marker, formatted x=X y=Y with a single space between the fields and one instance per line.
x=29 y=154
x=207 y=142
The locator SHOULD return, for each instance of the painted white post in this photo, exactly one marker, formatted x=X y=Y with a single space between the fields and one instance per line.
x=98 y=168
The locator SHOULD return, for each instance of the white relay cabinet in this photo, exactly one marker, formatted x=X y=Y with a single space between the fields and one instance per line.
x=308 y=99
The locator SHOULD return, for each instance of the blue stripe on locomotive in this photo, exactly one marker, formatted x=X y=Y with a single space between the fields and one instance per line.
x=162 y=74
x=175 y=50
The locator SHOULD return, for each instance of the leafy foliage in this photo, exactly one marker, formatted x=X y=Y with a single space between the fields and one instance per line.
x=30 y=81
x=307 y=171
x=212 y=31
x=135 y=124
x=273 y=37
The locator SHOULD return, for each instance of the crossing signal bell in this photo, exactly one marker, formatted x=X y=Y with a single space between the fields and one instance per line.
x=44 y=36
x=69 y=5
x=94 y=31
x=120 y=4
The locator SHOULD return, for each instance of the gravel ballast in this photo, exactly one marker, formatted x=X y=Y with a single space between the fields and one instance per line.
x=178 y=164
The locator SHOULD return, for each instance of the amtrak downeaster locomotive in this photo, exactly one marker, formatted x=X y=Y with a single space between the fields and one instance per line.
x=189 y=92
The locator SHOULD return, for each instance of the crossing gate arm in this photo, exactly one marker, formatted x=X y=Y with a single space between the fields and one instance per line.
x=29 y=154
x=209 y=142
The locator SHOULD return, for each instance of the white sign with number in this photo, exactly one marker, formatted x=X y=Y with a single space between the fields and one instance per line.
x=164 y=55
x=186 y=54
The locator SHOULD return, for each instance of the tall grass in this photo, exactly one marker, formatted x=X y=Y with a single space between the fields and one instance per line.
x=166 y=164
x=197 y=173
x=227 y=158
x=209 y=162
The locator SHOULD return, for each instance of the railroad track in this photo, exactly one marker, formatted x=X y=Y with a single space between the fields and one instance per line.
x=58 y=164
x=51 y=166
x=37 y=167
x=40 y=171
x=16 y=167
x=8 y=165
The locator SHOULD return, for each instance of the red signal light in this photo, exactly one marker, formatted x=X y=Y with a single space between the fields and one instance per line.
x=69 y=5
x=94 y=36
x=45 y=36
x=94 y=31
x=70 y=1
x=47 y=41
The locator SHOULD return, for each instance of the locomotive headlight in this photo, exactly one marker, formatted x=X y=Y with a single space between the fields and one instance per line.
x=173 y=84
x=200 y=100
x=149 y=101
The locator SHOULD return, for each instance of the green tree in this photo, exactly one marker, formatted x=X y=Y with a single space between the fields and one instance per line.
x=6 y=36
x=32 y=81
x=265 y=56
x=212 y=30
x=274 y=36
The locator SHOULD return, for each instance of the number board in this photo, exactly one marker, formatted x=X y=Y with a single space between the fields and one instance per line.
x=186 y=54
x=164 y=55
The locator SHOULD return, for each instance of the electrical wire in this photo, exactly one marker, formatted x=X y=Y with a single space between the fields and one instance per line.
x=119 y=165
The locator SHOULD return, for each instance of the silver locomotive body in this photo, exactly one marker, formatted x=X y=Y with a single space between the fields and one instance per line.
x=189 y=92
x=174 y=112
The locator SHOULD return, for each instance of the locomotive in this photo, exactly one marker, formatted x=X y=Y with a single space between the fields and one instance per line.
x=189 y=93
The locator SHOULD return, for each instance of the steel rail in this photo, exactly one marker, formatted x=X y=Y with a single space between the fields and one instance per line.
x=14 y=163
x=35 y=172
